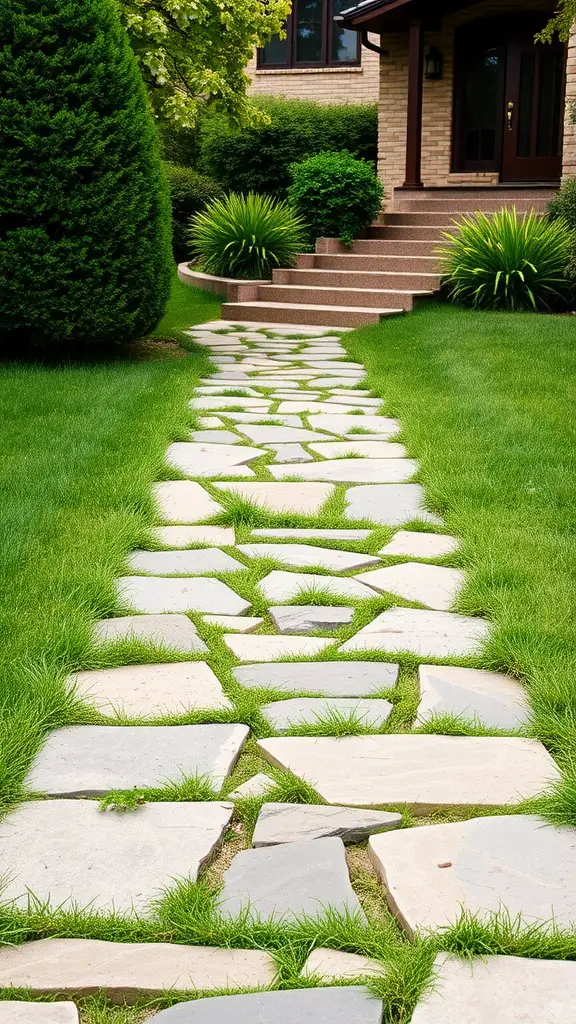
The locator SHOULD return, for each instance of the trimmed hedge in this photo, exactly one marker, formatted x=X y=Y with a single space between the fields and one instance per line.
x=564 y=206
x=190 y=193
x=84 y=211
x=259 y=159
x=336 y=195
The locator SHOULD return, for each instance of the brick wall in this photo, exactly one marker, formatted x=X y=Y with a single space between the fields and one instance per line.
x=323 y=85
x=569 y=161
x=437 y=102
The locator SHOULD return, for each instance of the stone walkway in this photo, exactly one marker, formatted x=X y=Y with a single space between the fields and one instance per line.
x=296 y=554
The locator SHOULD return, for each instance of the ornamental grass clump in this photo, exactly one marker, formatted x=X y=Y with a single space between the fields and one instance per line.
x=503 y=261
x=246 y=236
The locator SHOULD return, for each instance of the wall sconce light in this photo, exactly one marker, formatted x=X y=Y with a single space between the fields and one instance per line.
x=434 y=64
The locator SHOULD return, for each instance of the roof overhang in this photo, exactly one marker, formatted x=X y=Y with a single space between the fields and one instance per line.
x=393 y=15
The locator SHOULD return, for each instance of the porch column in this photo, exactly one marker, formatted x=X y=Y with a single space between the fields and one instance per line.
x=414 y=122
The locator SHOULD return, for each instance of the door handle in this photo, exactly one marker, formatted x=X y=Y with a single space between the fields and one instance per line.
x=509 y=115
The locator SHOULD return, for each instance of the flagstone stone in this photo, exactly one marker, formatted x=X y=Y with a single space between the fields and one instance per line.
x=261 y=404
x=279 y=435
x=303 y=498
x=343 y=424
x=416 y=631
x=263 y=419
x=172 y=563
x=299 y=406
x=290 y=453
x=516 y=862
x=345 y=377
x=220 y=389
x=184 y=501
x=363 y=392
x=258 y=785
x=333 y=964
x=209 y=421
x=150 y=691
x=423 y=771
x=388 y=504
x=433 y=585
x=352 y=471
x=175 y=632
x=288 y=881
x=495 y=700
x=179 y=594
x=183 y=536
x=327 y=364
x=499 y=990
x=38 y=1013
x=237 y=623
x=282 y=586
x=351 y=1005
x=420 y=545
x=367 y=449
x=209 y=460
x=70 y=853
x=273 y=382
x=224 y=437
x=311 y=533
x=329 y=678
x=129 y=971
x=88 y=760
x=355 y=400
x=308 y=554
x=307 y=618
x=263 y=648
x=287 y=714
x=292 y=396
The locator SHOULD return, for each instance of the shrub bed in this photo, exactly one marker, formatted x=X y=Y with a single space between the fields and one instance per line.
x=190 y=192
x=336 y=195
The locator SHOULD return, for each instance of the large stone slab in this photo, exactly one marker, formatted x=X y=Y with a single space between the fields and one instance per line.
x=433 y=585
x=491 y=698
x=432 y=634
x=355 y=400
x=303 y=498
x=422 y=771
x=293 y=453
x=38 y=1013
x=330 y=678
x=332 y=964
x=307 y=618
x=150 y=691
x=89 y=760
x=258 y=404
x=184 y=594
x=184 y=536
x=349 y=377
x=286 y=714
x=278 y=435
x=174 y=632
x=388 y=504
x=263 y=648
x=69 y=853
x=420 y=545
x=296 y=405
x=344 y=424
x=183 y=563
x=288 y=881
x=312 y=533
x=499 y=990
x=209 y=460
x=129 y=971
x=514 y=862
x=283 y=586
x=375 y=471
x=236 y=623
x=184 y=501
x=367 y=449
x=292 y=823
x=224 y=437
x=220 y=389
x=307 y=554
x=351 y=1005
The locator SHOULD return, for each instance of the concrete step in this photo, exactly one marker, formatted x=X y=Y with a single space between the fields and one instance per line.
x=315 y=296
x=396 y=247
x=355 y=261
x=404 y=233
x=293 y=313
x=465 y=205
x=498 y=192
x=349 y=278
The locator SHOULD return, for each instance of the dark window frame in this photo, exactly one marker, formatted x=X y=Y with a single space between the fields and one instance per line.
x=327 y=34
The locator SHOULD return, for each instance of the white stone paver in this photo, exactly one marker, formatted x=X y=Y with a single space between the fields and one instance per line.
x=237 y=623
x=307 y=554
x=344 y=424
x=183 y=563
x=333 y=964
x=229 y=403
x=292 y=823
x=258 y=785
x=184 y=501
x=264 y=648
x=375 y=471
x=280 y=586
x=174 y=632
x=388 y=504
x=287 y=714
x=150 y=691
x=290 y=452
x=279 y=435
x=189 y=536
x=420 y=545
x=38 y=1013
x=180 y=594
x=336 y=678
x=416 y=631
x=433 y=585
x=366 y=448
x=312 y=534
x=209 y=460
x=306 y=499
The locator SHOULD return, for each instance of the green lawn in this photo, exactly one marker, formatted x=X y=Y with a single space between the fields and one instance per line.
x=487 y=405
x=80 y=446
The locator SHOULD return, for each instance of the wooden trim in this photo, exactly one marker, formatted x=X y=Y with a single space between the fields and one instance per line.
x=414 y=119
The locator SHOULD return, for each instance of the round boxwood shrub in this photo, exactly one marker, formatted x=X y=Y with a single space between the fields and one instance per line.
x=564 y=203
x=335 y=194
x=246 y=236
x=506 y=261
x=190 y=192
x=85 y=256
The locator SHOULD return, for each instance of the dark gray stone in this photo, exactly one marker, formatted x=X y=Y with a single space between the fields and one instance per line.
x=350 y=1005
x=332 y=678
x=292 y=823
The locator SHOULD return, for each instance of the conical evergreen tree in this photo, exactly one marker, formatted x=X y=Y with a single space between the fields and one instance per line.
x=85 y=255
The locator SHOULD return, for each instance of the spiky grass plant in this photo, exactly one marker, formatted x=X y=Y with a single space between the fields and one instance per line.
x=503 y=261
x=246 y=236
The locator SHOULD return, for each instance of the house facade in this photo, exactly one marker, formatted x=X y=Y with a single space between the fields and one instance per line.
x=466 y=96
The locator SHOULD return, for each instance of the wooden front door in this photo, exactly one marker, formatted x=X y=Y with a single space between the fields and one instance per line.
x=534 y=101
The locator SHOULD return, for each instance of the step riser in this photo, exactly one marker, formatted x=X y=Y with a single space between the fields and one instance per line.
x=462 y=192
x=394 y=247
x=405 y=234
x=413 y=219
x=453 y=207
x=357 y=279
x=299 y=315
x=424 y=265
x=338 y=297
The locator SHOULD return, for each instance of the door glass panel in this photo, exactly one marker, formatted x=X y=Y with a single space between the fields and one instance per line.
x=344 y=40
x=549 y=104
x=482 y=77
x=276 y=52
x=309 y=31
x=526 y=104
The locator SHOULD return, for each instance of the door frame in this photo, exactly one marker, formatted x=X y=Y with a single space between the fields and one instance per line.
x=546 y=168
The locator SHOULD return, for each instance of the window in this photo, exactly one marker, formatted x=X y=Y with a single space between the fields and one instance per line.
x=313 y=38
